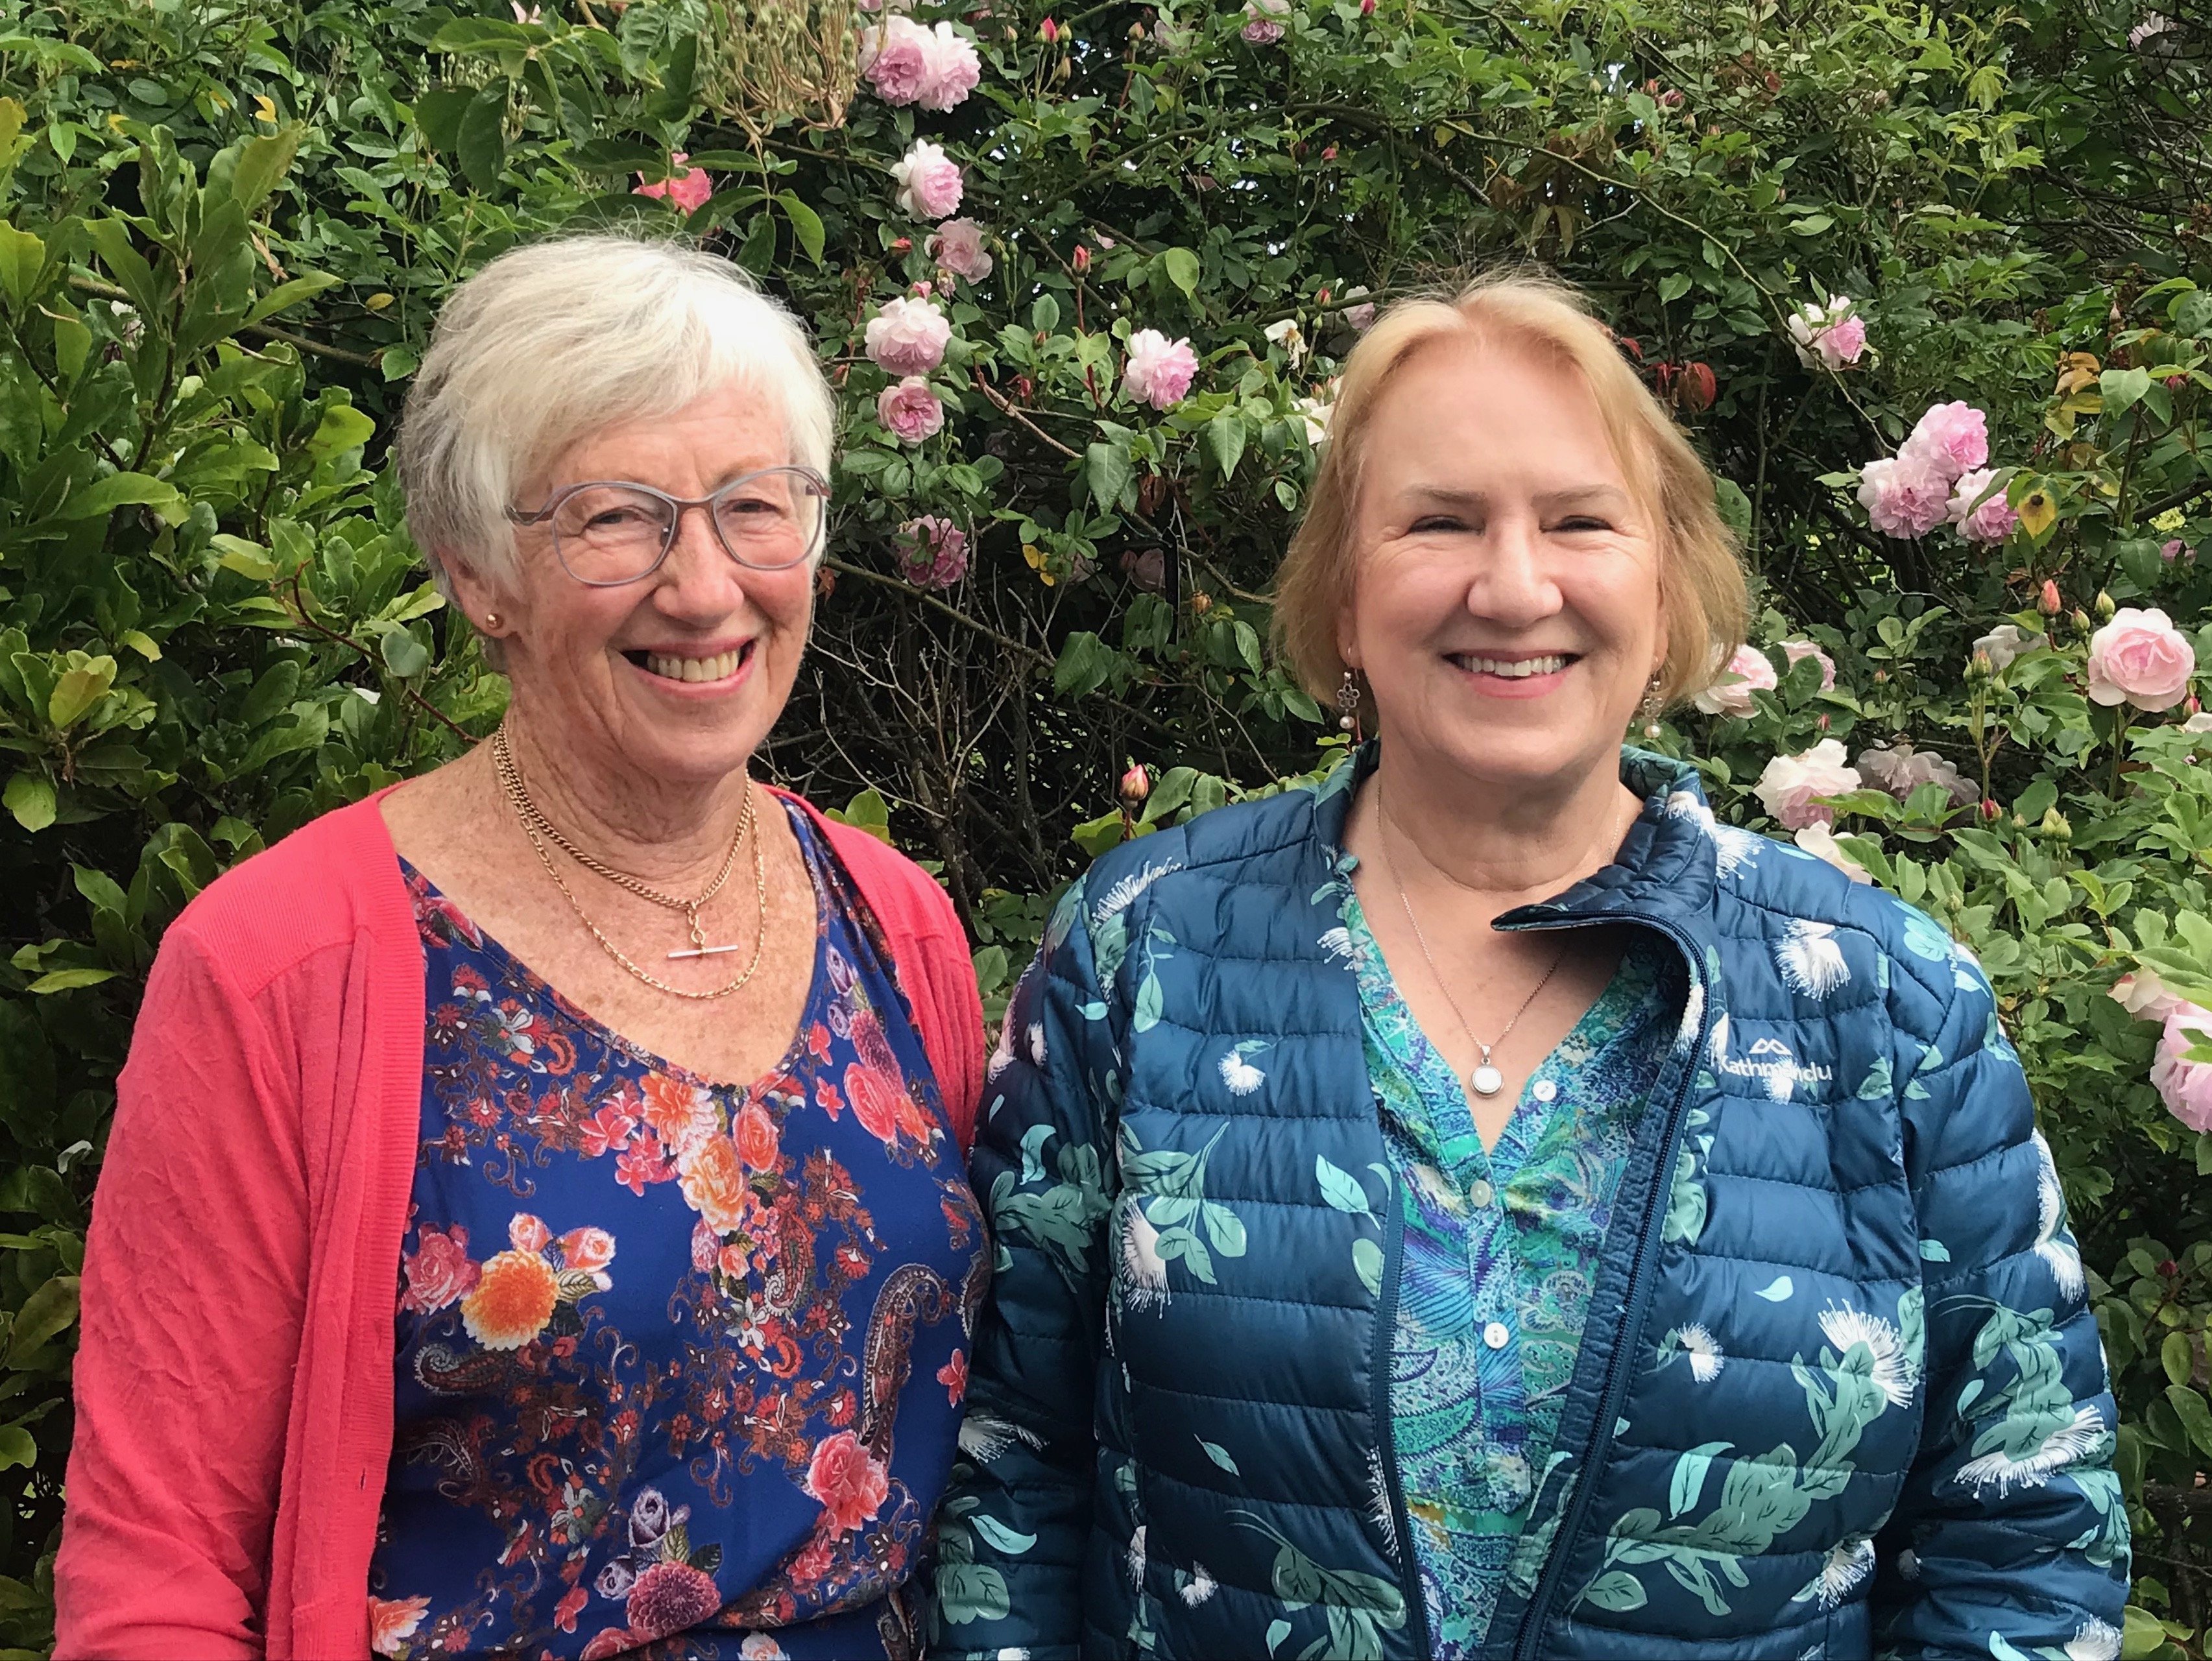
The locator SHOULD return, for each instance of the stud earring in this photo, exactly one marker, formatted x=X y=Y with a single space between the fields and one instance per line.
x=1347 y=705
x=1652 y=707
x=491 y=619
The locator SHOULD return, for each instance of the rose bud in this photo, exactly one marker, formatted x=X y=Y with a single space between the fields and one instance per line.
x=1082 y=259
x=1990 y=811
x=1136 y=784
x=2105 y=607
x=1049 y=32
x=2048 y=601
x=1367 y=7
x=902 y=244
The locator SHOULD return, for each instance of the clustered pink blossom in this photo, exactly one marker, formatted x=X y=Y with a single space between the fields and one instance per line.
x=935 y=551
x=2141 y=658
x=1950 y=439
x=1936 y=478
x=1979 y=509
x=910 y=411
x=908 y=63
x=958 y=247
x=1832 y=336
x=1160 y=371
x=1904 y=497
x=2184 y=1086
x=685 y=188
x=1748 y=671
x=909 y=337
x=1792 y=785
x=1797 y=650
x=929 y=181
x=1262 y=24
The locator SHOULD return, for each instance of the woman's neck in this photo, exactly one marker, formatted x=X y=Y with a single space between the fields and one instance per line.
x=1507 y=846
x=671 y=833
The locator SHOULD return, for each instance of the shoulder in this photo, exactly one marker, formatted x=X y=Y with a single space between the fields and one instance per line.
x=1244 y=839
x=334 y=879
x=909 y=903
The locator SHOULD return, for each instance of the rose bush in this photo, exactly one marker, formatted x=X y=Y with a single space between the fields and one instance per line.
x=1932 y=289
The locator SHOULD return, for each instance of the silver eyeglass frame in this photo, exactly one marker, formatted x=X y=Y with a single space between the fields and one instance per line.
x=683 y=504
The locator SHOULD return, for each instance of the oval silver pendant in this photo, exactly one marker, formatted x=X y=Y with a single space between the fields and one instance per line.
x=1487 y=1080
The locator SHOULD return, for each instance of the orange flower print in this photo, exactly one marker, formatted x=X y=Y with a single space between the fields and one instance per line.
x=391 y=1622
x=875 y=1101
x=849 y=1480
x=755 y=1135
x=588 y=1249
x=512 y=1300
x=527 y=1233
x=714 y=1180
x=682 y=1115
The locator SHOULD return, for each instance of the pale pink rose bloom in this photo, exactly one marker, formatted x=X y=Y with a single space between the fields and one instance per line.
x=929 y=181
x=391 y=1622
x=895 y=58
x=1900 y=769
x=2006 y=642
x=1830 y=336
x=685 y=188
x=1262 y=27
x=1790 y=784
x=2184 y=1086
x=1950 y=439
x=2140 y=658
x=1904 y=496
x=951 y=70
x=909 y=337
x=2200 y=722
x=910 y=409
x=2174 y=550
x=1820 y=842
x=1992 y=522
x=2145 y=997
x=958 y=248
x=1747 y=672
x=1160 y=371
x=1361 y=317
x=1797 y=650
x=935 y=551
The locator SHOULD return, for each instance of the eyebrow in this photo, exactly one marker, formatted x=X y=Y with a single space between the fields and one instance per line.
x=1585 y=496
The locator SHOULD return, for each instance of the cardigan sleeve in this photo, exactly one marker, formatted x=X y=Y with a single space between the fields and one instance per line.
x=2011 y=1535
x=194 y=1293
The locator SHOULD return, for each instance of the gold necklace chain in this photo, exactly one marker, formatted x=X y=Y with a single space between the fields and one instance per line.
x=539 y=829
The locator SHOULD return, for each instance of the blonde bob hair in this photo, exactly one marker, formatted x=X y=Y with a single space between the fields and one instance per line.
x=1702 y=594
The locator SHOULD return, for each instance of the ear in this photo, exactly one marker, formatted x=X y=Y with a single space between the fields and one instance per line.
x=478 y=598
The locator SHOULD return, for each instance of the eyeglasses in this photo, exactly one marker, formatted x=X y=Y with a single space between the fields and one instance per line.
x=608 y=532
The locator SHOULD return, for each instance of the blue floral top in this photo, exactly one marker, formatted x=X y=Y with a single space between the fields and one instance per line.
x=1501 y=1249
x=677 y=1361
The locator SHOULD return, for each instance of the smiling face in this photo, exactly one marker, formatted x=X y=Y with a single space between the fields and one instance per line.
x=1505 y=593
x=676 y=677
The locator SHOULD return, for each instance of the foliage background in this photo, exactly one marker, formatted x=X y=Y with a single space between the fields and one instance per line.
x=229 y=224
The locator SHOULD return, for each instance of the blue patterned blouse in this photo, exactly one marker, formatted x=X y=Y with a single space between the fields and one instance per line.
x=1500 y=1251
x=680 y=1363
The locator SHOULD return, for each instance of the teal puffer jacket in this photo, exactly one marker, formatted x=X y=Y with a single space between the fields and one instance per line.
x=1840 y=1394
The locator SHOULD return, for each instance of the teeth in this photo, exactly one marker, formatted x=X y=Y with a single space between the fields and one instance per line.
x=694 y=669
x=1511 y=669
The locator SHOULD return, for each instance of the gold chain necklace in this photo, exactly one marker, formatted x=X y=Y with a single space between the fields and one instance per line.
x=540 y=829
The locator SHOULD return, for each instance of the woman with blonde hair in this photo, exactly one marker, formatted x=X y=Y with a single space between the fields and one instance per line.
x=536 y=1220
x=1484 y=1207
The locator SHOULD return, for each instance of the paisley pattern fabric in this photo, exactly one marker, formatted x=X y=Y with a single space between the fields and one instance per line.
x=680 y=1363
x=1506 y=1242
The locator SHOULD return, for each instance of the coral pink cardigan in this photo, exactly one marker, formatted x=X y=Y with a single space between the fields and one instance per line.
x=235 y=1384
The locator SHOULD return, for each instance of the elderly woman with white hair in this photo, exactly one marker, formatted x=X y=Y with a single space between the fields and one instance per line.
x=638 y=1088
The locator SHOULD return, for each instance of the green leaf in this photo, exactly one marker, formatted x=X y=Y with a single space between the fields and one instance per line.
x=2175 y=1357
x=30 y=798
x=1106 y=469
x=1219 y=1455
x=1811 y=225
x=1672 y=288
x=2122 y=387
x=1735 y=507
x=1007 y=1540
x=342 y=427
x=1689 y=1480
x=1341 y=1188
x=1224 y=437
x=50 y=1310
x=481 y=142
x=403 y=655
x=1618 y=1590
x=17 y=1448
x=111 y=239
x=77 y=690
x=1045 y=314
x=437 y=112
x=287 y=294
x=119 y=490
x=263 y=163
x=2189 y=1406
x=805 y=224
x=1183 y=269
x=22 y=258
x=68 y=980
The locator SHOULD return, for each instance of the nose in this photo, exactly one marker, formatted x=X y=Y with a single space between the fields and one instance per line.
x=698 y=582
x=1512 y=583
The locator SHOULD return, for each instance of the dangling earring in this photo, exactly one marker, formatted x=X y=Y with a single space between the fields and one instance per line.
x=1347 y=707
x=1652 y=707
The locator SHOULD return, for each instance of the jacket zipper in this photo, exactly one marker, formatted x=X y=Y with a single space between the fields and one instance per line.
x=1609 y=1398
x=1409 y=1569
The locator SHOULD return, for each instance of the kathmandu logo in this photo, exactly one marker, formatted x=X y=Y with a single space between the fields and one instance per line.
x=1770 y=1061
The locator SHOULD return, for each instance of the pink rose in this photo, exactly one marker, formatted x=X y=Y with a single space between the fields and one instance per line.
x=1797 y=650
x=685 y=188
x=2139 y=658
x=909 y=337
x=439 y=1270
x=951 y=70
x=2184 y=1086
x=1900 y=769
x=910 y=409
x=1950 y=439
x=1160 y=371
x=2144 y=995
x=1830 y=336
x=935 y=551
x=2174 y=551
x=894 y=59
x=1360 y=317
x=958 y=246
x=1747 y=672
x=851 y=1484
x=1791 y=787
x=929 y=181
x=1993 y=520
x=1262 y=28
x=1904 y=496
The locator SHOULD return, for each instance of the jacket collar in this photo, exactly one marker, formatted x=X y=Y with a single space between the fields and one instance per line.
x=1666 y=873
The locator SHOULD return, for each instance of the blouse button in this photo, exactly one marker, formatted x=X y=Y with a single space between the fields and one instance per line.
x=1481 y=1193
x=1546 y=1089
x=1496 y=1335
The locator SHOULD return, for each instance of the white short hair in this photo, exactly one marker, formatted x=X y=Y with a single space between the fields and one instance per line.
x=554 y=340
